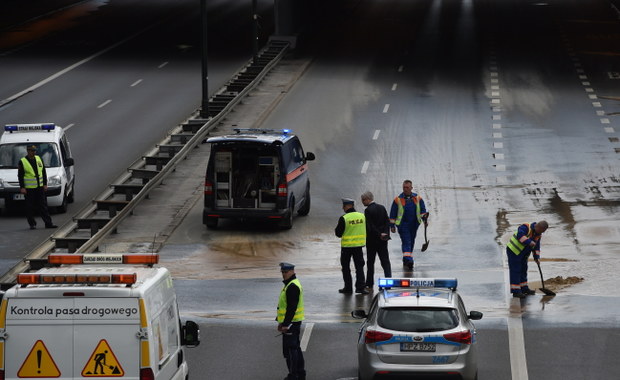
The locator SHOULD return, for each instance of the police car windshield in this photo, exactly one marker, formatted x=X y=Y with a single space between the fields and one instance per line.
x=417 y=319
x=10 y=154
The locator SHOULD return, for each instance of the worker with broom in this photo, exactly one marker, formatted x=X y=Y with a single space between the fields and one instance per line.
x=524 y=241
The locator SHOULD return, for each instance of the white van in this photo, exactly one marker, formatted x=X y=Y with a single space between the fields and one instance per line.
x=53 y=148
x=103 y=316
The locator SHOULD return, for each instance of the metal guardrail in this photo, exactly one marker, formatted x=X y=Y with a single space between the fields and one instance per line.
x=139 y=180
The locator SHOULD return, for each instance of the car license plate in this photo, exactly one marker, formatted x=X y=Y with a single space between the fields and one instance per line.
x=417 y=346
x=18 y=197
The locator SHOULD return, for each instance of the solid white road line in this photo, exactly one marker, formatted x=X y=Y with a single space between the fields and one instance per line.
x=134 y=84
x=518 y=362
x=376 y=135
x=306 y=336
x=68 y=126
x=365 y=167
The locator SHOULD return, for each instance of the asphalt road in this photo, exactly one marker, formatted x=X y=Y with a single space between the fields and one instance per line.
x=494 y=110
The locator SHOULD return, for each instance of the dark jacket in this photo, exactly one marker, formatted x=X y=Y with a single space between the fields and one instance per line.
x=292 y=299
x=377 y=222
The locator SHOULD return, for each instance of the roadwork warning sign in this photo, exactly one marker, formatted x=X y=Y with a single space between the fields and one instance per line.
x=103 y=362
x=38 y=363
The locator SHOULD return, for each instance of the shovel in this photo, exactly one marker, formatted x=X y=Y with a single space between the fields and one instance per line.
x=543 y=289
x=426 y=241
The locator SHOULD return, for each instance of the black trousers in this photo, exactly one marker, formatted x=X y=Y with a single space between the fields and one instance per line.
x=292 y=353
x=36 y=200
x=346 y=253
x=374 y=248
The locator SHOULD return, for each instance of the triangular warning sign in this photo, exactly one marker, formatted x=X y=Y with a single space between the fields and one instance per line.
x=103 y=362
x=38 y=363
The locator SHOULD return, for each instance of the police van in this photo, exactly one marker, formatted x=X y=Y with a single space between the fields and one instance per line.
x=257 y=174
x=89 y=316
x=53 y=148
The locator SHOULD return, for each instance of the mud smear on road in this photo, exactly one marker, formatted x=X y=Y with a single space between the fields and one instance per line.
x=558 y=283
x=253 y=248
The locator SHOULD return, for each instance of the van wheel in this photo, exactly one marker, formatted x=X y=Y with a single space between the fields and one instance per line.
x=305 y=209
x=71 y=197
x=211 y=222
x=287 y=221
x=63 y=207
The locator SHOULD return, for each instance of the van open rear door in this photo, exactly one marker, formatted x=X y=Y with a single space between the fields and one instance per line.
x=72 y=338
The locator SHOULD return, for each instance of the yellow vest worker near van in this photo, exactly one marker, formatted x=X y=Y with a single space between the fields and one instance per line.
x=33 y=184
x=351 y=230
x=290 y=315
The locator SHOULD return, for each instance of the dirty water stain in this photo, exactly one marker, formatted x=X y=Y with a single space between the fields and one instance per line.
x=250 y=248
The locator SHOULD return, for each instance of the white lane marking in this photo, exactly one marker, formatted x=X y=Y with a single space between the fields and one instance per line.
x=495 y=87
x=516 y=343
x=497 y=135
x=497 y=117
x=104 y=103
x=401 y=68
x=498 y=156
x=604 y=120
x=600 y=113
x=68 y=126
x=585 y=83
x=495 y=101
x=596 y=104
x=589 y=89
x=66 y=70
x=365 y=167
x=306 y=337
x=494 y=80
x=376 y=135
x=394 y=86
x=583 y=77
x=162 y=65
x=592 y=96
x=498 y=145
x=500 y=168
x=494 y=75
x=386 y=108
x=134 y=84
x=609 y=130
x=494 y=93
x=497 y=126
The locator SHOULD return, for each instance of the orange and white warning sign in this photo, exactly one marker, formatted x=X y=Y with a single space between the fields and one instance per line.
x=103 y=362
x=38 y=363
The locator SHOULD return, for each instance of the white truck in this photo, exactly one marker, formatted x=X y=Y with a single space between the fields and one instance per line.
x=53 y=148
x=86 y=316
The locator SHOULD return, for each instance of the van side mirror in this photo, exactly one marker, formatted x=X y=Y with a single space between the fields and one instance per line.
x=69 y=162
x=310 y=156
x=359 y=314
x=190 y=334
x=475 y=315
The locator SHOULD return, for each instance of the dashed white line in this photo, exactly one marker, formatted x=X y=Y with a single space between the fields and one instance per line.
x=376 y=135
x=498 y=145
x=306 y=336
x=604 y=120
x=134 y=84
x=401 y=68
x=497 y=135
x=497 y=117
x=394 y=86
x=386 y=108
x=497 y=126
x=596 y=104
x=600 y=113
x=162 y=65
x=609 y=130
x=591 y=96
x=104 y=103
x=365 y=167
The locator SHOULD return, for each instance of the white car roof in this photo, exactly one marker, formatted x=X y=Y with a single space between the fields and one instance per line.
x=413 y=298
x=31 y=136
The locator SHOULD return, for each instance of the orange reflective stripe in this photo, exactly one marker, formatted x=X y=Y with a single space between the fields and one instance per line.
x=296 y=173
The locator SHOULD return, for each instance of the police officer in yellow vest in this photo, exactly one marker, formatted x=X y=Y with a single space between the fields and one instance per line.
x=290 y=315
x=33 y=184
x=524 y=241
x=351 y=230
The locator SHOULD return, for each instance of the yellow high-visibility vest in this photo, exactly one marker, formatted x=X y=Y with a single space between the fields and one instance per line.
x=33 y=180
x=354 y=234
x=401 y=209
x=299 y=312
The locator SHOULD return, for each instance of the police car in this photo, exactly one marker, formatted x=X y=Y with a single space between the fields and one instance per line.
x=417 y=328
x=257 y=174
x=53 y=148
x=95 y=315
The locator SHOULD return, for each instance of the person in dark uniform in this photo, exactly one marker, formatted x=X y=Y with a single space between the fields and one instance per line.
x=351 y=230
x=33 y=184
x=289 y=317
x=377 y=236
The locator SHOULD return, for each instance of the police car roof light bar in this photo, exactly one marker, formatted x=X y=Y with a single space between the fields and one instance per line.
x=29 y=127
x=103 y=258
x=77 y=279
x=450 y=283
